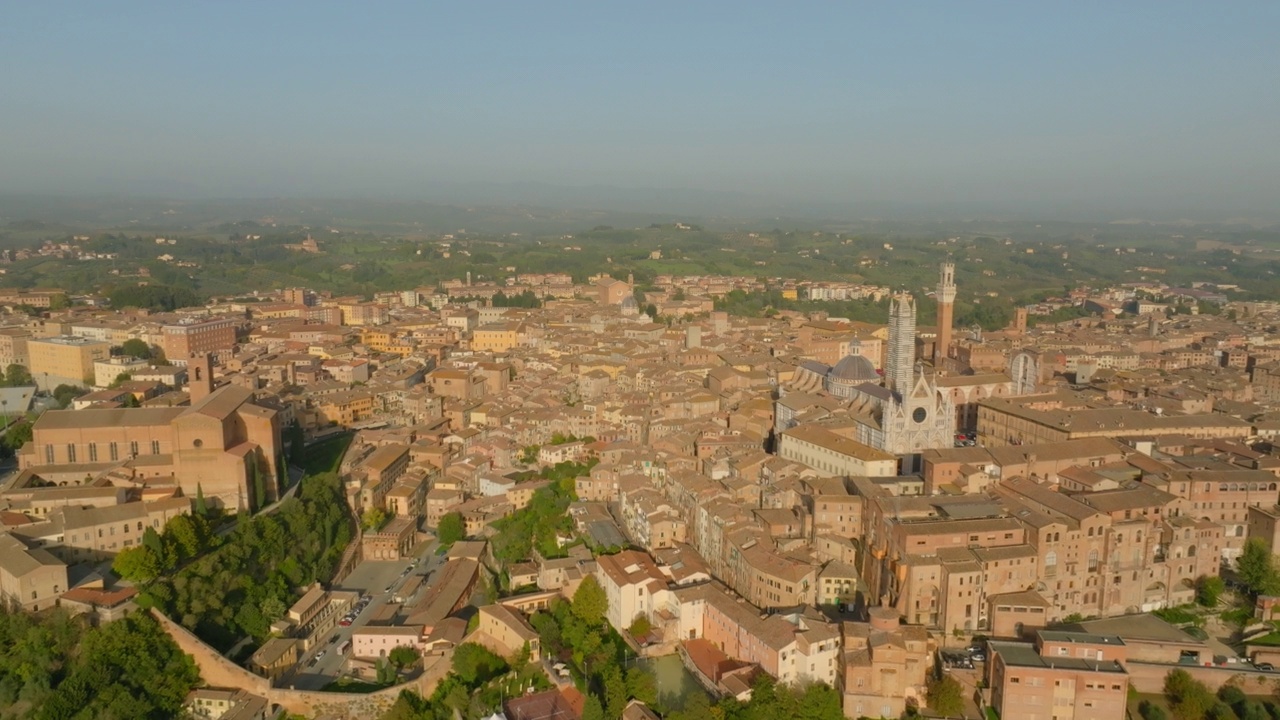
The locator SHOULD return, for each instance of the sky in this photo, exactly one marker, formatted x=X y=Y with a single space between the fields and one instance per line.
x=1109 y=110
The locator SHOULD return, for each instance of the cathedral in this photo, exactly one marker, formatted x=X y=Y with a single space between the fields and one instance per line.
x=907 y=413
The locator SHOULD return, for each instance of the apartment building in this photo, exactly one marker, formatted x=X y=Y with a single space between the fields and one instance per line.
x=30 y=577
x=90 y=534
x=634 y=585
x=184 y=339
x=64 y=360
x=509 y=632
x=796 y=647
x=1011 y=422
x=884 y=665
x=1060 y=676
x=496 y=337
x=13 y=346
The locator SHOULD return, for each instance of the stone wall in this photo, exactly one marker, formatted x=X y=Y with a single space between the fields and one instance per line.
x=215 y=670
x=218 y=671
x=1149 y=677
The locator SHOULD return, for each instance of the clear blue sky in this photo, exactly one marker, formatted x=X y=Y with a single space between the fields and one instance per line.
x=1121 y=108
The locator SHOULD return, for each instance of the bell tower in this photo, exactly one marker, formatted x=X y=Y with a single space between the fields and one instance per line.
x=199 y=376
x=900 y=365
x=946 y=309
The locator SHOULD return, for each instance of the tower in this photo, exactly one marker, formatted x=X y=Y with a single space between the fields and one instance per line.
x=946 y=309
x=900 y=365
x=199 y=376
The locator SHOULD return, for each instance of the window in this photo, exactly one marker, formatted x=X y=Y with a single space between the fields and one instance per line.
x=114 y=451
x=133 y=448
x=48 y=454
x=71 y=452
x=93 y=452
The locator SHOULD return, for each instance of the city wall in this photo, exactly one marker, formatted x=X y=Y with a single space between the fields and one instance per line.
x=1149 y=677
x=218 y=671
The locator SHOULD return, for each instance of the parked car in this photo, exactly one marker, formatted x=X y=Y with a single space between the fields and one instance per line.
x=346 y=622
x=1265 y=667
x=319 y=655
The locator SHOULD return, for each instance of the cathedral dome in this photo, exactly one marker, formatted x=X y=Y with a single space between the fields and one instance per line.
x=854 y=369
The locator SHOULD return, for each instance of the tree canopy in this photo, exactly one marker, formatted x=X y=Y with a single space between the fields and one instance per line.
x=451 y=528
x=57 y=667
x=260 y=568
x=1257 y=568
x=590 y=602
x=945 y=695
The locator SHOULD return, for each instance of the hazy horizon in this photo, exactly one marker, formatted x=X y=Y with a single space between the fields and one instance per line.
x=1159 y=111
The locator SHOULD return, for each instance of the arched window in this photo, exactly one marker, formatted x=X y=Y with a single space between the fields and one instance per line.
x=1090 y=532
x=1093 y=560
x=1050 y=563
x=1223 y=487
x=1191 y=551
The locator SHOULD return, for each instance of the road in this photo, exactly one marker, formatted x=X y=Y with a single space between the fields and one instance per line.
x=373 y=578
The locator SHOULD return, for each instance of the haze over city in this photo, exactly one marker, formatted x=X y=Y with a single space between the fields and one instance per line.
x=1057 y=110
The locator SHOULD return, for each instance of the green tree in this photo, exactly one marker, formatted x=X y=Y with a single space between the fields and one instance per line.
x=615 y=691
x=592 y=710
x=402 y=656
x=17 y=376
x=640 y=626
x=641 y=686
x=1150 y=711
x=475 y=664
x=183 y=536
x=259 y=485
x=451 y=528
x=385 y=671
x=1188 y=697
x=1208 y=589
x=273 y=608
x=590 y=604
x=64 y=394
x=20 y=433
x=202 y=508
x=128 y=668
x=136 y=564
x=134 y=347
x=373 y=519
x=1253 y=710
x=521 y=657
x=1257 y=567
x=945 y=695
